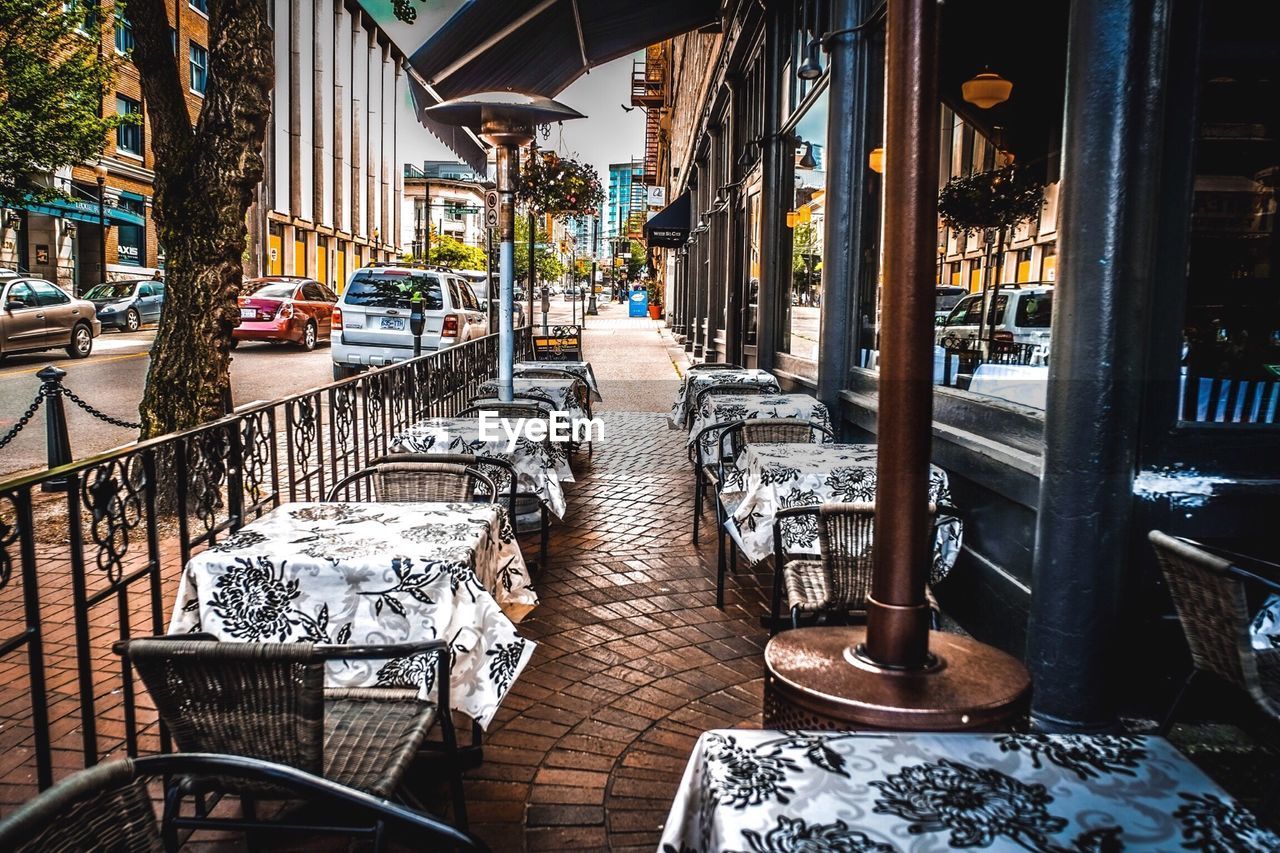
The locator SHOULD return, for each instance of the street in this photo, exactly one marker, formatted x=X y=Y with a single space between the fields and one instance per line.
x=112 y=380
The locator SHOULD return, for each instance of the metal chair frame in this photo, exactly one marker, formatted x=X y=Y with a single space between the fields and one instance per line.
x=115 y=791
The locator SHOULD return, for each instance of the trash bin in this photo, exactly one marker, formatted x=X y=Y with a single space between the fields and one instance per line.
x=639 y=305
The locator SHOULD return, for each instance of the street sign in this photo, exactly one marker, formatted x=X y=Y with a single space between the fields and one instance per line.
x=491 y=209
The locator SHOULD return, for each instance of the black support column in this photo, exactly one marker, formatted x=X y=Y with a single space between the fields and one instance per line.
x=774 y=266
x=1110 y=164
x=845 y=162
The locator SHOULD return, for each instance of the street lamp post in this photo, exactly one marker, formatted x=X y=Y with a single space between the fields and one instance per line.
x=595 y=249
x=505 y=120
x=101 y=171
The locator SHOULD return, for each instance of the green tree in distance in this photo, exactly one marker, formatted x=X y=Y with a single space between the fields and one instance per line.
x=51 y=84
x=447 y=251
x=546 y=263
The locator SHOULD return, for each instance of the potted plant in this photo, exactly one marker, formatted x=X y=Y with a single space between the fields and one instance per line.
x=654 y=289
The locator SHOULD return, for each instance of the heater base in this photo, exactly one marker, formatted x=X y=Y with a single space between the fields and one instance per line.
x=814 y=679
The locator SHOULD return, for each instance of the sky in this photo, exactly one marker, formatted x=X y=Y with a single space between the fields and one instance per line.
x=607 y=135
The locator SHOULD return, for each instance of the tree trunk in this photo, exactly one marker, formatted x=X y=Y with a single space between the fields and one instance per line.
x=205 y=178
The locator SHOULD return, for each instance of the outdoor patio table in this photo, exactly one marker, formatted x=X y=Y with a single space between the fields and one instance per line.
x=739 y=407
x=560 y=392
x=770 y=477
x=541 y=466
x=746 y=789
x=580 y=369
x=370 y=573
x=700 y=380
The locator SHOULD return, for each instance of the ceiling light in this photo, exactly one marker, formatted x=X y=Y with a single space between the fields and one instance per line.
x=986 y=90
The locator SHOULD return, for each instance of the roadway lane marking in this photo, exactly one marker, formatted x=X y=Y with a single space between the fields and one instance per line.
x=27 y=371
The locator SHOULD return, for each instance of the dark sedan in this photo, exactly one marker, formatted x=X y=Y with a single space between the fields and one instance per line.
x=126 y=305
x=280 y=309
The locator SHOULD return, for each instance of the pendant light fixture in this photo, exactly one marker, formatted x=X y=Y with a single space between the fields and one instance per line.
x=811 y=68
x=875 y=160
x=807 y=160
x=986 y=89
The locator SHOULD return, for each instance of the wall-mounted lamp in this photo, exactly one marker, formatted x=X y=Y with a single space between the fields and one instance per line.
x=792 y=218
x=12 y=219
x=807 y=160
x=804 y=213
x=69 y=228
x=811 y=68
x=986 y=90
x=875 y=161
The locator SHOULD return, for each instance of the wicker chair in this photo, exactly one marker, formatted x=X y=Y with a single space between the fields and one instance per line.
x=268 y=701
x=836 y=585
x=1208 y=588
x=107 y=807
x=714 y=365
x=735 y=436
x=411 y=477
x=518 y=408
x=720 y=391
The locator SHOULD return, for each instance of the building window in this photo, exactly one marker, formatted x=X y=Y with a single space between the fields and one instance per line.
x=124 y=35
x=129 y=134
x=201 y=6
x=805 y=226
x=131 y=244
x=173 y=40
x=1049 y=263
x=1023 y=260
x=199 y=69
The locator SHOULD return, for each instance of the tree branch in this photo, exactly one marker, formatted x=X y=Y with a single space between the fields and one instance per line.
x=153 y=54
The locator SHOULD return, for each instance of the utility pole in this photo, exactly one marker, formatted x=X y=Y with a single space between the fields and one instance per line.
x=426 y=234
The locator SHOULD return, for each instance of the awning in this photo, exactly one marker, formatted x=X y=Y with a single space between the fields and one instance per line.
x=84 y=211
x=458 y=140
x=669 y=227
x=539 y=47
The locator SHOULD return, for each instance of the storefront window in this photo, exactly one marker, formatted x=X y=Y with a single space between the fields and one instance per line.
x=1231 y=328
x=131 y=239
x=749 y=326
x=805 y=224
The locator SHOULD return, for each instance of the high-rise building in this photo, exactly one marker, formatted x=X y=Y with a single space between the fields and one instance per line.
x=623 y=177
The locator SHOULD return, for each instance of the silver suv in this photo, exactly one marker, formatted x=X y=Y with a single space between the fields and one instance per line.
x=1021 y=315
x=371 y=319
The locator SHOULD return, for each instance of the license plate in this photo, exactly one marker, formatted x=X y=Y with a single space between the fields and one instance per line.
x=396 y=323
x=249 y=312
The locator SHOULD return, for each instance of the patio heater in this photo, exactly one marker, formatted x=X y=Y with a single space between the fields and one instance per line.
x=896 y=673
x=507 y=121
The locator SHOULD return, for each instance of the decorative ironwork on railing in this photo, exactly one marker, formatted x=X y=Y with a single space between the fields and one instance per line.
x=100 y=561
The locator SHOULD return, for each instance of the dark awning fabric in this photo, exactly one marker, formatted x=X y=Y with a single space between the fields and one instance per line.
x=539 y=47
x=456 y=139
x=84 y=211
x=669 y=227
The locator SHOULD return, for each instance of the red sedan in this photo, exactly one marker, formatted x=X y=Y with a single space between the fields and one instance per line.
x=282 y=309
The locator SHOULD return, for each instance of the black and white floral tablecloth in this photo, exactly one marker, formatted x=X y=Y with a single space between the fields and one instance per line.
x=369 y=573
x=839 y=792
x=700 y=380
x=541 y=466
x=559 y=391
x=741 y=407
x=580 y=369
x=770 y=477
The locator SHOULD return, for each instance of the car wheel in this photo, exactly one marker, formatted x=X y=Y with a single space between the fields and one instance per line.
x=81 y=342
x=342 y=371
x=132 y=322
x=309 y=337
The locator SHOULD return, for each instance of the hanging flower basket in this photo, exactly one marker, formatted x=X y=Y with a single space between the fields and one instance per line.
x=999 y=198
x=559 y=185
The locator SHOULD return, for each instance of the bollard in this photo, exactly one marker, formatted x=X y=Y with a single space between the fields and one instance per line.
x=57 y=439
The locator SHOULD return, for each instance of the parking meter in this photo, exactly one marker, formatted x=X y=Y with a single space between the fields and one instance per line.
x=417 y=322
x=546 y=306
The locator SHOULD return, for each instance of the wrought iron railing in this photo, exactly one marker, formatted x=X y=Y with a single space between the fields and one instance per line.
x=99 y=557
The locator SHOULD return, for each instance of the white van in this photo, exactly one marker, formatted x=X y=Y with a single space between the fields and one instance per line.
x=371 y=320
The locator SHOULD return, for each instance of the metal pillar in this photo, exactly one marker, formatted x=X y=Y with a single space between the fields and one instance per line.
x=508 y=164
x=492 y=310
x=426 y=233
x=533 y=250
x=774 y=264
x=595 y=250
x=1115 y=67
x=102 y=227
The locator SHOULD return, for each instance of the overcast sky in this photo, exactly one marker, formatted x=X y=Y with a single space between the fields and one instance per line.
x=607 y=135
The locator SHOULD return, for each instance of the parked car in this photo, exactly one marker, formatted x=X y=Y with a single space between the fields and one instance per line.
x=479 y=286
x=126 y=305
x=284 y=309
x=945 y=298
x=1021 y=315
x=371 y=320
x=38 y=315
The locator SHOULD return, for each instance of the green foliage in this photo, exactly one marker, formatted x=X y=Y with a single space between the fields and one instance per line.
x=550 y=183
x=51 y=80
x=637 y=262
x=998 y=198
x=450 y=252
x=546 y=263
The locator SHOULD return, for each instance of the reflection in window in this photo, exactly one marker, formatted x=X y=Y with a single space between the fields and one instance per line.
x=749 y=326
x=805 y=224
x=1231 y=329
